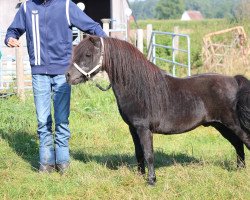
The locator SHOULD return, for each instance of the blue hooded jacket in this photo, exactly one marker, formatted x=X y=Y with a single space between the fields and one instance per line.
x=48 y=26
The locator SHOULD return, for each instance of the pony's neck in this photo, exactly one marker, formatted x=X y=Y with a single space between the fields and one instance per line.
x=125 y=63
x=132 y=73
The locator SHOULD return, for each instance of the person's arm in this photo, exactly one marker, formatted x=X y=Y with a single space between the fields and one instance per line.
x=83 y=22
x=16 y=29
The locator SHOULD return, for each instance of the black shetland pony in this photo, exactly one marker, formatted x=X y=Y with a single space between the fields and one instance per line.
x=150 y=101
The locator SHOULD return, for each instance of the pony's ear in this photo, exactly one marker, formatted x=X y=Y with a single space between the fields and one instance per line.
x=95 y=40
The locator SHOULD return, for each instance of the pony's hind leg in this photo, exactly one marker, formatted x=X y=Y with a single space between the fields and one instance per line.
x=235 y=141
x=138 y=150
x=146 y=140
x=244 y=136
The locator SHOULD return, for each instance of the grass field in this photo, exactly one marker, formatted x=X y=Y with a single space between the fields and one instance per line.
x=197 y=30
x=196 y=165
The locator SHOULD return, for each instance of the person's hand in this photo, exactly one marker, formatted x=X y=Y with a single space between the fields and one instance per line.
x=12 y=42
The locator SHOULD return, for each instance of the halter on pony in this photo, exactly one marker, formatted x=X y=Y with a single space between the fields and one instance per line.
x=88 y=74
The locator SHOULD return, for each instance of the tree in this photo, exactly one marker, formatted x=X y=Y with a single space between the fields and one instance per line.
x=211 y=8
x=172 y=9
x=143 y=9
x=241 y=11
x=166 y=9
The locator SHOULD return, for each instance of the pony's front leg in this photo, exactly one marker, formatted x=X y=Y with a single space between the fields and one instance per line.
x=146 y=140
x=138 y=150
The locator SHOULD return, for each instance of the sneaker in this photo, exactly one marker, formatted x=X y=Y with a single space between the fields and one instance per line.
x=62 y=168
x=46 y=168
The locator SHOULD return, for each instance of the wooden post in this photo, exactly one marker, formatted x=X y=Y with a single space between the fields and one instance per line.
x=106 y=25
x=128 y=30
x=149 y=34
x=20 y=72
x=140 y=39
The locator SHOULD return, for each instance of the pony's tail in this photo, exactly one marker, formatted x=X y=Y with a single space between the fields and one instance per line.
x=243 y=102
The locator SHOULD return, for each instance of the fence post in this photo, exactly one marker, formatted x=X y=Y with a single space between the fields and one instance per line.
x=154 y=50
x=140 y=39
x=149 y=34
x=20 y=72
x=176 y=39
x=106 y=25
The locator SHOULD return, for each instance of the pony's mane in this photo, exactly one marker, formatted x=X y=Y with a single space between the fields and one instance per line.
x=135 y=75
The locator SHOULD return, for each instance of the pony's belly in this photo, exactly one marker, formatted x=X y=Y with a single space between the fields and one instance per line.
x=171 y=127
x=173 y=131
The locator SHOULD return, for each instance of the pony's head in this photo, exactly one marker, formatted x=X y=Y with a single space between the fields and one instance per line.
x=86 y=61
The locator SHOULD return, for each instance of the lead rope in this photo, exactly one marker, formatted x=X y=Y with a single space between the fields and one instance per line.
x=101 y=88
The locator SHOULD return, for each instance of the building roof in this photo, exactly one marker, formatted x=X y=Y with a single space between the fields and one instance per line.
x=194 y=15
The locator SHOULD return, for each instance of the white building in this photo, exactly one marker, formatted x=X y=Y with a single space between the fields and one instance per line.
x=191 y=15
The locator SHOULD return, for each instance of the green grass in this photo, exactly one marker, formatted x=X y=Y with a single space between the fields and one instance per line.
x=196 y=165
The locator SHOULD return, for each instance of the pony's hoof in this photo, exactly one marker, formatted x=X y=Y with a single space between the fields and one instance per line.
x=241 y=165
x=142 y=173
x=141 y=170
x=152 y=181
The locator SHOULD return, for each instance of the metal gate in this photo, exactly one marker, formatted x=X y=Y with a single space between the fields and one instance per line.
x=172 y=50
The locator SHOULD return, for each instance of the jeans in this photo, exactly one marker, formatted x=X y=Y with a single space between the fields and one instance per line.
x=52 y=149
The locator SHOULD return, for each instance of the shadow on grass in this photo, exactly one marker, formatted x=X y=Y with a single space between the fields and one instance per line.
x=228 y=165
x=24 y=144
x=114 y=161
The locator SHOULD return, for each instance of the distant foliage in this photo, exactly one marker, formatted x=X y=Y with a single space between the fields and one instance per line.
x=166 y=9
x=169 y=9
x=212 y=9
x=241 y=12
x=144 y=9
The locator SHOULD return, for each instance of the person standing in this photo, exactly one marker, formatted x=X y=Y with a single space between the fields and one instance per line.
x=48 y=26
